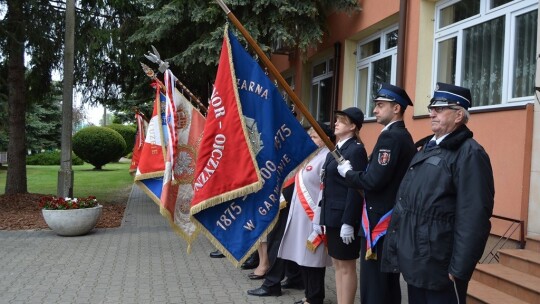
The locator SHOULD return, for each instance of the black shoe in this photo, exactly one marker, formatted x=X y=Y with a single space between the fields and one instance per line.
x=287 y=284
x=301 y=301
x=253 y=276
x=251 y=263
x=216 y=254
x=263 y=292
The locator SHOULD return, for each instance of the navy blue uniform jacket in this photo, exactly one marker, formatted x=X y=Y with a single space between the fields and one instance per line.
x=341 y=204
x=387 y=165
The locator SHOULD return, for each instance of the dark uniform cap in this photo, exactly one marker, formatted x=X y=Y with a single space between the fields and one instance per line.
x=388 y=92
x=448 y=94
x=327 y=130
x=355 y=115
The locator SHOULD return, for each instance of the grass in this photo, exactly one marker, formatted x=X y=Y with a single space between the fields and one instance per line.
x=112 y=184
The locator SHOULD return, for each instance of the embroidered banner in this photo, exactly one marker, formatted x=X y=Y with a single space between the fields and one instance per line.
x=246 y=105
x=185 y=131
x=167 y=162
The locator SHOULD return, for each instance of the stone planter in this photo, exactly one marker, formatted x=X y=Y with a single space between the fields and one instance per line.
x=72 y=222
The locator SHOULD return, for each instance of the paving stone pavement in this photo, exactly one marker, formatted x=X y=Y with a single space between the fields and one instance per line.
x=143 y=261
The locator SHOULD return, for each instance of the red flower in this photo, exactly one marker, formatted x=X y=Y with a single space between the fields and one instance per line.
x=59 y=203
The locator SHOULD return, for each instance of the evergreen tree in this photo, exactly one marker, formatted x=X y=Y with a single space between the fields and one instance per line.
x=189 y=33
x=111 y=38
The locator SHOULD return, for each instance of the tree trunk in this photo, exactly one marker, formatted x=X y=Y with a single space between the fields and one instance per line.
x=16 y=173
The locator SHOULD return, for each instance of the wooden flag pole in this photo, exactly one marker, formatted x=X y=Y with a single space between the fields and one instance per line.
x=273 y=70
x=199 y=103
x=152 y=75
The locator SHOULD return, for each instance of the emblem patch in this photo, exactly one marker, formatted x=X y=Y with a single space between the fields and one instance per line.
x=384 y=157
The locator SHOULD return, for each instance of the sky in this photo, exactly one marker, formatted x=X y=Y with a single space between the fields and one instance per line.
x=94 y=114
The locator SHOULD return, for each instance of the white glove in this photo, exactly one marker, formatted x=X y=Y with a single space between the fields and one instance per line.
x=347 y=233
x=318 y=229
x=344 y=167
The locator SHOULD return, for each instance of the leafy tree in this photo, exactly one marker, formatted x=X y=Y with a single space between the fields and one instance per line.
x=31 y=40
x=43 y=128
x=190 y=32
x=108 y=70
x=111 y=38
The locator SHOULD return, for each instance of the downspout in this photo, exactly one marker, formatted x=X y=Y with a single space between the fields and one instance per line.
x=402 y=29
x=335 y=84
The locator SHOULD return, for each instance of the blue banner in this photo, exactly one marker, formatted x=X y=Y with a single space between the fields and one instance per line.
x=280 y=144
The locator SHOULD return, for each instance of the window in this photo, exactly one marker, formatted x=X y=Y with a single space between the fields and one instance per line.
x=375 y=63
x=488 y=46
x=290 y=82
x=321 y=90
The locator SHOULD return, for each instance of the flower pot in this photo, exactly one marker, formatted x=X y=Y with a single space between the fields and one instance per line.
x=72 y=222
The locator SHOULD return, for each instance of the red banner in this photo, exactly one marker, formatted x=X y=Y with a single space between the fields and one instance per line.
x=187 y=127
x=139 y=141
x=226 y=168
x=152 y=159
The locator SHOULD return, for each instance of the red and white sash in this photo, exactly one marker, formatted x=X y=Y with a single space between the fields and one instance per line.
x=309 y=205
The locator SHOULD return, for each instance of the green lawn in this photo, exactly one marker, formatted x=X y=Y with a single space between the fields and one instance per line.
x=112 y=184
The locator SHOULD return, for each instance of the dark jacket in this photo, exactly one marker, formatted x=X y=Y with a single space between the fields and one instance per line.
x=440 y=223
x=387 y=165
x=341 y=204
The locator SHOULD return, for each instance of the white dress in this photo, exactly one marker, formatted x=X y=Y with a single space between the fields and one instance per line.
x=299 y=226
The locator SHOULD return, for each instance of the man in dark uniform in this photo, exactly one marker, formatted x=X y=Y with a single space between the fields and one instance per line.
x=387 y=166
x=440 y=224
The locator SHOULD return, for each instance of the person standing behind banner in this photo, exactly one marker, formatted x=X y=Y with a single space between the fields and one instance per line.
x=279 y=268
x=388 y=163
x=340 y=208
x=300 y=242
x=441 y=221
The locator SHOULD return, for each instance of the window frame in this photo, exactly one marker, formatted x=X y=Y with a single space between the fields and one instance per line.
x=367 y=63
x=511 y=11
x=315 y=105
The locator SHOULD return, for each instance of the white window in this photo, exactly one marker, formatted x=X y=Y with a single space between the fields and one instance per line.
x=488 y=46
x=321 y=89
x=290 y=81
x=376 y=59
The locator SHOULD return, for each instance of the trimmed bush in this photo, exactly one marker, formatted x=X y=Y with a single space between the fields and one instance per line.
x=98 y=145
x=51 y=158
x=128 y=133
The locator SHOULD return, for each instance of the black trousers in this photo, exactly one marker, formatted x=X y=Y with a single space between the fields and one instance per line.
x=313 y=278
x=377 y=287
x=279 y=268
x=455 y=294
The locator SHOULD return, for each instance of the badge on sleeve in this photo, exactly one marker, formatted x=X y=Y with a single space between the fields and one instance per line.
x=384 y=157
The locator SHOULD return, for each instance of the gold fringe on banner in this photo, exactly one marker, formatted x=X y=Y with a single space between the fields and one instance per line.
x=225 y=252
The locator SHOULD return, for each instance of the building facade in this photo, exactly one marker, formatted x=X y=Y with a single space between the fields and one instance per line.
x=490 y=46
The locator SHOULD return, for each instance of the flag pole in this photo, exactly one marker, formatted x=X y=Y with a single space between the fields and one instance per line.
x=199 y=103
x=152 y=75
x=137 y=111
x=277 y=75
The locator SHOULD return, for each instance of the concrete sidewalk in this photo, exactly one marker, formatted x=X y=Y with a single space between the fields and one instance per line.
x=143 y=261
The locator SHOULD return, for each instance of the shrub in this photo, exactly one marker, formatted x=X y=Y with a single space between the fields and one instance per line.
x=128 y=133
x=98 y=145
x=51 y=158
